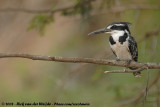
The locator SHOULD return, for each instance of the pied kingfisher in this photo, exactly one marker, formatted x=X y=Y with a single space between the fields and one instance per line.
x=122 y=44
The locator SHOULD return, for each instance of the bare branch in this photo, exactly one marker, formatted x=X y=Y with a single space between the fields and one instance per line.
x=119 y=9
x=113 y=10
x=149 y=34
x=83 y=60
x=127 y=71
x=46 y=10
x=24 y=10
x=146 y=89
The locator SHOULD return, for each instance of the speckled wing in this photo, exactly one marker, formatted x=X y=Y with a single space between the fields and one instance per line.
x=133 y=48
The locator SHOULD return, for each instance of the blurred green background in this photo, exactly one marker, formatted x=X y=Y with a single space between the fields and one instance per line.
x=62 y=30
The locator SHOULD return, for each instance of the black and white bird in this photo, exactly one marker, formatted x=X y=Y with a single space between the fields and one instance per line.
x=122 y=44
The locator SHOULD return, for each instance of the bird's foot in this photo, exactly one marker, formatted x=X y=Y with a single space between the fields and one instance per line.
x=117 y=59
x=128 y=61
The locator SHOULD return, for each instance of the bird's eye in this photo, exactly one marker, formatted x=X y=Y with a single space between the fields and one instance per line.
x=113 y=27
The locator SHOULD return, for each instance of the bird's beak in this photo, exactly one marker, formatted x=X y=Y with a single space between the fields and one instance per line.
x=104 y=30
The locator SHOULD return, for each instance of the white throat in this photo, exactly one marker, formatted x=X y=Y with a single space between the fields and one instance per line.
x=116 y=34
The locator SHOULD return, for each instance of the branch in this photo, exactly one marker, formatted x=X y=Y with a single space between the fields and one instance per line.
x=118 y=9
x=140 y=7
x=113 y=10
x=149 y=34
x=82 y=60
x=127 y=71
x=24 y=10
x=46 y=10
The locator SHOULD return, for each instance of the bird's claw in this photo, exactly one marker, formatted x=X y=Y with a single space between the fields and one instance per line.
x=128 y=62
x=117 y=59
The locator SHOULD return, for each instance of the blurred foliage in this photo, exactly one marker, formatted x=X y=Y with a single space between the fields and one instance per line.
x=82 y=7
x=79 y=8
x=39 y=22
x=107 y=4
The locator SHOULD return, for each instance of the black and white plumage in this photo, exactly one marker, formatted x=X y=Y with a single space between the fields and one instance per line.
x=123 y=45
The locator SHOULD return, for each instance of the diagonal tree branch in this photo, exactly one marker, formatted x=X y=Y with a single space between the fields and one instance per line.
x=82 y=60
x=154 y=32
x=134 y=100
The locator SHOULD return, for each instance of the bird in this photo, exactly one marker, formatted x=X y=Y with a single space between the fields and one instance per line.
x=122 y=44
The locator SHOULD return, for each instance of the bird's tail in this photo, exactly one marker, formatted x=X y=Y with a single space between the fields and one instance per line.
x=136 y=74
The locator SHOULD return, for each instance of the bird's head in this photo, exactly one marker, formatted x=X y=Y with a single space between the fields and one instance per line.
x=116 y=27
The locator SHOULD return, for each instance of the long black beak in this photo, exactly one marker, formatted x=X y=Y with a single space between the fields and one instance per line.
x=104 y=30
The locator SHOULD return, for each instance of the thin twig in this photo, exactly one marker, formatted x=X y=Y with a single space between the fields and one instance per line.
x=158 y=95
x=127 y=71
x=137 y=98
x=140 y=95
x=146 y=89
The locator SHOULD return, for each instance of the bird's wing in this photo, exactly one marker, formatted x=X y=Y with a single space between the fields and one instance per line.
x=114 y=52
x=133 y=49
